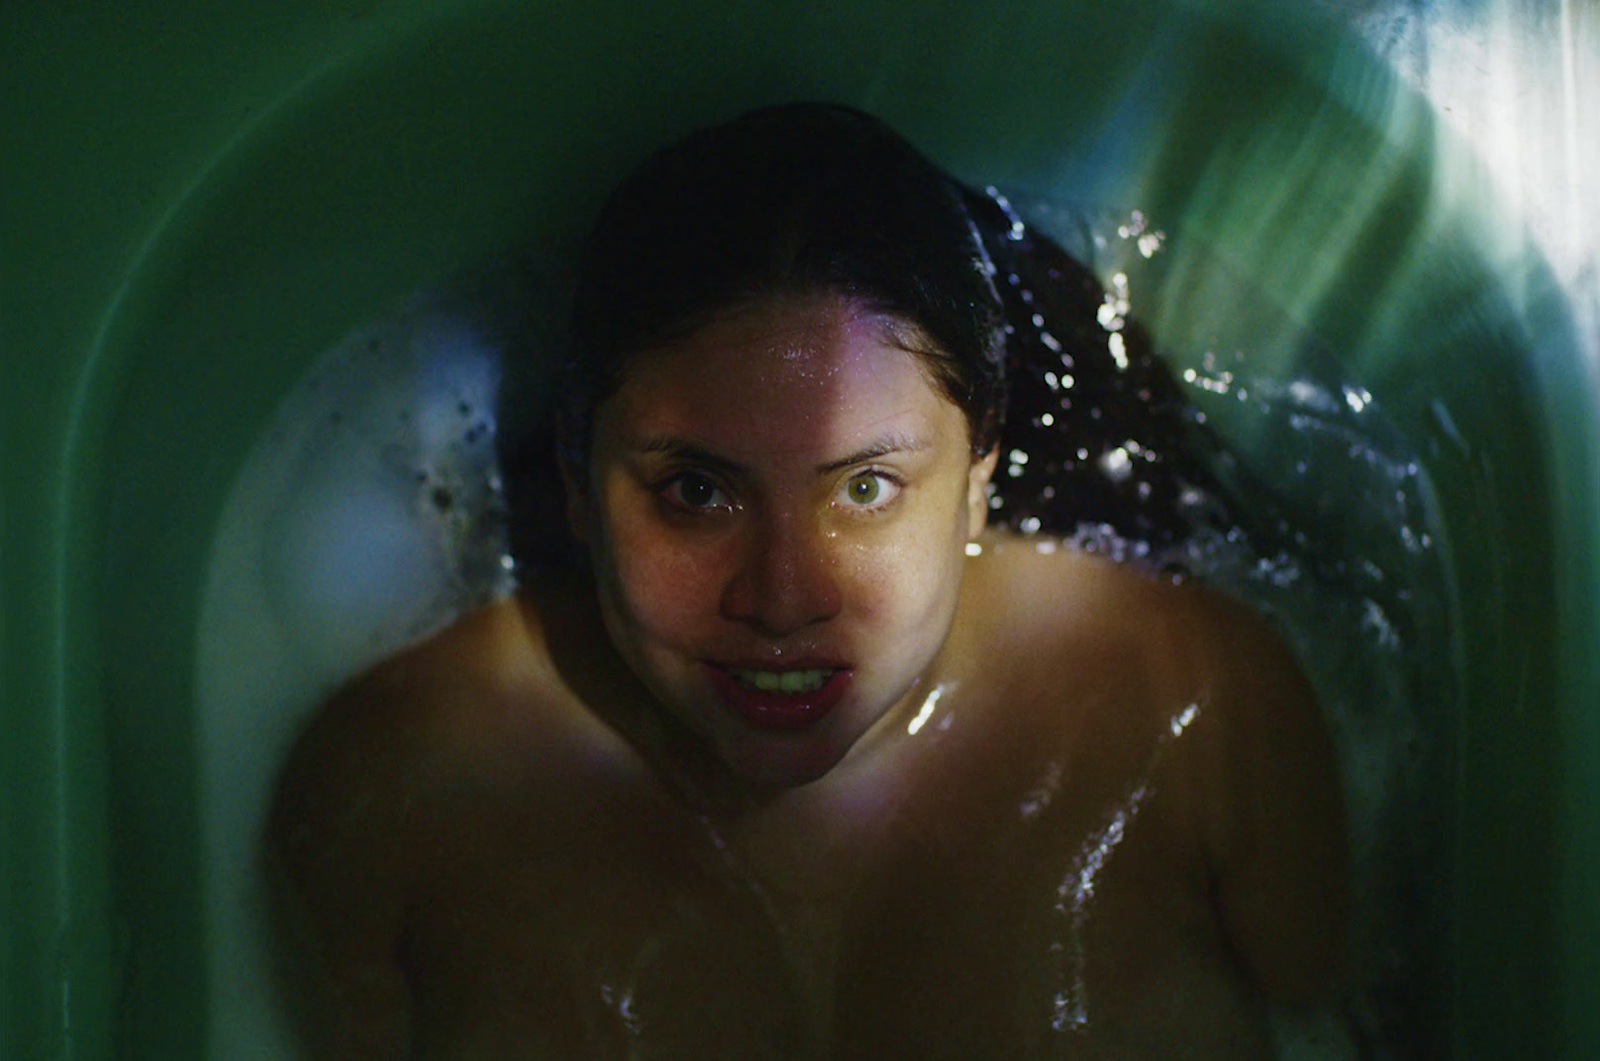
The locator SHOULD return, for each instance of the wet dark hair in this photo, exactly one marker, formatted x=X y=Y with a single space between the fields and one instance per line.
x=803 y=199
x=1100 y=440
x=818 y=198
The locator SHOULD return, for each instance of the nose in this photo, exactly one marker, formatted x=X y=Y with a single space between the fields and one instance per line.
x=786 y=579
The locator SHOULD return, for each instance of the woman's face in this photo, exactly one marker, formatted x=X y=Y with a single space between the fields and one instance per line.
x=777 y=509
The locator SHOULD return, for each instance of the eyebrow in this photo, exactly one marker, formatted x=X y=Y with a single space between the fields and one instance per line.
x=684 y=449
x=895 y=443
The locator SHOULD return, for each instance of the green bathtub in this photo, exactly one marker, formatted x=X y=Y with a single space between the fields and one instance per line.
x=199 y=199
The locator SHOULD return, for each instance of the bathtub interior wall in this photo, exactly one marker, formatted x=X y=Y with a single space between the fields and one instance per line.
x=348 y=157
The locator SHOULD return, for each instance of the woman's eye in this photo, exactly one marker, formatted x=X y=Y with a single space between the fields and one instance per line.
x=869 y=489
x=695 y=491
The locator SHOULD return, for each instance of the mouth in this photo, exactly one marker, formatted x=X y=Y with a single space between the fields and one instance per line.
x=788 y=700
x=787 y=681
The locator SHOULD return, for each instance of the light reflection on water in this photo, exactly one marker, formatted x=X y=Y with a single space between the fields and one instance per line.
x=1071 y=1006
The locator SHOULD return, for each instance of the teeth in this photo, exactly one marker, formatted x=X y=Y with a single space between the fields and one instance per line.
x=788 y=681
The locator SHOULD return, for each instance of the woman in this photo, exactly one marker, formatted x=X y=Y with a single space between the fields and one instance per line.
x=789 y=756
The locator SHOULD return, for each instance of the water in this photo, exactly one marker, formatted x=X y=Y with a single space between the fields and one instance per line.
x=372 y=513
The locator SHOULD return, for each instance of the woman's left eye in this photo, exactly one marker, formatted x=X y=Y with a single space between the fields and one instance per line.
x=869 y=490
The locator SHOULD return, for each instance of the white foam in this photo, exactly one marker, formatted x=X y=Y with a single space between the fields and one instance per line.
x=367 y=516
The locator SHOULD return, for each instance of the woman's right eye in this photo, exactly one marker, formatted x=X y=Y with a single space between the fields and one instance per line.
x=696 y=492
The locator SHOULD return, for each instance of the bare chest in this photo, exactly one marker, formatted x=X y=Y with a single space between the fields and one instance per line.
x=1051 y=916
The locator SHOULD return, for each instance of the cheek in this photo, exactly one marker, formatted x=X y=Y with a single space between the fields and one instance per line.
x=907 y=585
x=657 y=586
x=910 y=574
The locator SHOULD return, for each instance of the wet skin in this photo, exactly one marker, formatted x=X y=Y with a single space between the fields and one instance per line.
x=1035 y=805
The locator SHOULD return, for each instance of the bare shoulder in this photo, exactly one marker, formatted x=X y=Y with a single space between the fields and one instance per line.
x=368 y=810
x=446 y=709
x=1268 y=782
x=1254 y=775
x=1040 y=598
x=401 y=706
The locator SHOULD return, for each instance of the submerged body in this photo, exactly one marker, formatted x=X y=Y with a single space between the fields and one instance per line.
x=809 y=765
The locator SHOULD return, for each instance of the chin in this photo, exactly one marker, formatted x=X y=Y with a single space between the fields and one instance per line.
x=781 y=762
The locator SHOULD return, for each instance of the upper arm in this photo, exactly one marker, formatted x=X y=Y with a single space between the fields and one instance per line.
x=1278 y=837
x=337 y=887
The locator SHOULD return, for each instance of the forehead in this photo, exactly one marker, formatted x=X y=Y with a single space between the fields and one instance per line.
x=791 y=374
